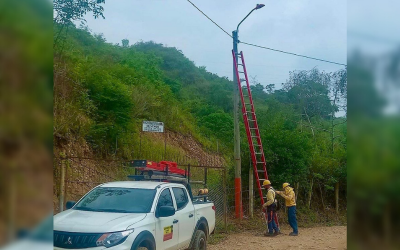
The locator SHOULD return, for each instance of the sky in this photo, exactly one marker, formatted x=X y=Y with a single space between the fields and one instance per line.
x=373 y=26
x=373 y=31
x=316 y=28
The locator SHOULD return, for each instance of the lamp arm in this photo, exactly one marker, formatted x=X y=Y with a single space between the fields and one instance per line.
x=237 y=29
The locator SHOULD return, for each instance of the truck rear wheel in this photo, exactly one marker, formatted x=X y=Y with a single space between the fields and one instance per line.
x=200 y=241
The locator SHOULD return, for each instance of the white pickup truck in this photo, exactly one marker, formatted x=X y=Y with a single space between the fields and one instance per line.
x=130 y=215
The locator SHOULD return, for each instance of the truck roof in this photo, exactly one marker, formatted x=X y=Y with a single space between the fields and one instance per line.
x=134 y=184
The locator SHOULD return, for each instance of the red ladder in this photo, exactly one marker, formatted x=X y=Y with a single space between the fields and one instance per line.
x=250 y=122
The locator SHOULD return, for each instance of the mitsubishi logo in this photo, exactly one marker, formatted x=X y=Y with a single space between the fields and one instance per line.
x=69 y=241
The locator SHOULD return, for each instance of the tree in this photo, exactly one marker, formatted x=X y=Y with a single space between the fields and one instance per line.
x=365 y=99
x=309 y=92
x=125 y=42
x=270 y=88
x=68 y=11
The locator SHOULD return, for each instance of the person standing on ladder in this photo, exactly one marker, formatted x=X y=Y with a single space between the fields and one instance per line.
x=270 y=207
x=290 y=201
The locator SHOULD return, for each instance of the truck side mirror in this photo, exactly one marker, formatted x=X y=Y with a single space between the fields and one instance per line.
x=70 y=204
x=165 y=211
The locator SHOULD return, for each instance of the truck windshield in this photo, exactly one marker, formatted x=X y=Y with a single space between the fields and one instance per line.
x=117 y=200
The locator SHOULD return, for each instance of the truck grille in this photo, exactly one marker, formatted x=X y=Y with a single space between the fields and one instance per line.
x=75 y=240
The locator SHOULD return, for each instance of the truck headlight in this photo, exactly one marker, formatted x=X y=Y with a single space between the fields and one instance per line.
x=112 y=239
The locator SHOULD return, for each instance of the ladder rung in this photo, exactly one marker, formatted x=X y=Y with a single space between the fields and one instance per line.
x=241 y=72
x=261 y=179
x=258 y=153
x=259 y=162
x=260 y=171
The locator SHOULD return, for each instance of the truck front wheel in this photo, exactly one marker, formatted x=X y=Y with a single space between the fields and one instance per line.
x=200 y=241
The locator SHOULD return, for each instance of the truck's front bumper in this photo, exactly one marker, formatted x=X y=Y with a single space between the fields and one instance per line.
x=126 y=245
x=123 y=246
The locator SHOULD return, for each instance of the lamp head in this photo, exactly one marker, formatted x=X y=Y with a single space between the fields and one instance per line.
x=259 y=6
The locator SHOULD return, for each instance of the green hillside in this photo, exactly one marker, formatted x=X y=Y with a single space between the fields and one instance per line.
x=103 y=91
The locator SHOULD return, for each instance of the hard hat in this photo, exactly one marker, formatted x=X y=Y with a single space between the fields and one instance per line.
x=266 y=182
x=285 y=184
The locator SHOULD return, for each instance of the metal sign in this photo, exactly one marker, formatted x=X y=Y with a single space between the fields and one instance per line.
x=149 y=126
x=138 y=163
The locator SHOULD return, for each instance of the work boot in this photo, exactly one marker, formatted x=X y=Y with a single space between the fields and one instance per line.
x=293 y=234
x=269 y=234
x=278 y=231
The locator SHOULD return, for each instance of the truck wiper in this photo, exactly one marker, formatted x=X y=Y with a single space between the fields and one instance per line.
x=102 y=210
x=85 y=209
x=114 y=210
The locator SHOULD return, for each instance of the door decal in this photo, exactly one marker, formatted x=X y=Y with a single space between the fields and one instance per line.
x=168 y=232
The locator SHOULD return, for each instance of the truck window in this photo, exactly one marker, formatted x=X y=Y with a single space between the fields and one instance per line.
x=165 y=199
x=180 y=197
x=117 y=200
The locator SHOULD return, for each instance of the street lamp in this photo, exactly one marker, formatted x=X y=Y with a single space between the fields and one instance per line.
x=238 y=178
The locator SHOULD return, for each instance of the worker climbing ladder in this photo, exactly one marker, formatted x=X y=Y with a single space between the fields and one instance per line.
x=250 y=122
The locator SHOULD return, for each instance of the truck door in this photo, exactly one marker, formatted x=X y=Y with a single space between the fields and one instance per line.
x=185 y=212
x=167 y=228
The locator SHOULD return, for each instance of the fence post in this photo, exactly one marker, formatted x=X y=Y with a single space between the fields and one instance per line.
x=165 y=145
x=225 y=200
x=251 y=196
x=189 y=173
x=140 y=145
x=205 y=177
x=62 y=184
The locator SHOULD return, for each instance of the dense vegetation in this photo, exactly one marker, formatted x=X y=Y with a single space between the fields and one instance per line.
x=103 y=91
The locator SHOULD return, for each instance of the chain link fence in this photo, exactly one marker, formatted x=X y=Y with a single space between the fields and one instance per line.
x=75 y=176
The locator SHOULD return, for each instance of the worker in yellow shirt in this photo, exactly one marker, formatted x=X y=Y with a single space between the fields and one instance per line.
x=270 y=207
x=290 y=201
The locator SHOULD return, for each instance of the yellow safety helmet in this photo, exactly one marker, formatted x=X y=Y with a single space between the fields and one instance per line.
x=266 y=182
x=285 y=184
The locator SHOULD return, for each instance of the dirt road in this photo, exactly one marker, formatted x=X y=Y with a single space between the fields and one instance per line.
x=309 y=238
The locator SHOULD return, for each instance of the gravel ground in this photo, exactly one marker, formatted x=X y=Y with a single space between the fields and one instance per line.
x=309 y=238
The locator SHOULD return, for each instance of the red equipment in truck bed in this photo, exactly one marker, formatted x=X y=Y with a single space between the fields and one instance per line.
x=162 y=166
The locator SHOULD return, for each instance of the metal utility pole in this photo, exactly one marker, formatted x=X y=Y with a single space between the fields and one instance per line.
x=238 y=167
